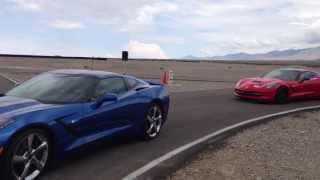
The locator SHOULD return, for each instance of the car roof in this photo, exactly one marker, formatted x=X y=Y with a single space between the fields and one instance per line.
x=295 y=69
x=99 y=74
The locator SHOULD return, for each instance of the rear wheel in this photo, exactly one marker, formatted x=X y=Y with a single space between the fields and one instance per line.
x=28 y=155
x=153 y=122
x=282 y=96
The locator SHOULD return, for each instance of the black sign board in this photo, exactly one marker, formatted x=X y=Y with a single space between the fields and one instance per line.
x=125 y=55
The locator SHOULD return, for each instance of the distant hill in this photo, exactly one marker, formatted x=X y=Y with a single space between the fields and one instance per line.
x=290 y=54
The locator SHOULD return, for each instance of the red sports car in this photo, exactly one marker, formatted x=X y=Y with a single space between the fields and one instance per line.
x=280 y=86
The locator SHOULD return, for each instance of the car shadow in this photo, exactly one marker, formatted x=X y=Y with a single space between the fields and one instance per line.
x=244 y=100
x=95 y=149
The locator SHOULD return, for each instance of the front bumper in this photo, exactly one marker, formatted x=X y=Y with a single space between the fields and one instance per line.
x=255 y=94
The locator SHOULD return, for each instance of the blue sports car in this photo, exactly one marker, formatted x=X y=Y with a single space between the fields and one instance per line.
x=56 y=112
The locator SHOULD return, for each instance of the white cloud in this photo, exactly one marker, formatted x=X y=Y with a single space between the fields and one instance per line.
x=205 y=26
x=232 y=26
x=313 y=33
x=126 y=15
x=63 y=24
x=32 y=5
x=109 y=55
x=147 y=13
x=143 y=50
x=302 y=24
x=305 y=9
x=22 y=45
x=18 y=45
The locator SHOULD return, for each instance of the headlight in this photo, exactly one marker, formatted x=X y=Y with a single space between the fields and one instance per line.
x=238 y=83
x=271 y=85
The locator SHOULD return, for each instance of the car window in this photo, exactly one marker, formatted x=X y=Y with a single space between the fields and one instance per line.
x=307 y=75
x=111 y=85
x=132 y=83
x=285 y=75
x=56 y=88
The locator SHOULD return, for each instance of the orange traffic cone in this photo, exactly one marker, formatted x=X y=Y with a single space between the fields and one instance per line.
x=165 y=78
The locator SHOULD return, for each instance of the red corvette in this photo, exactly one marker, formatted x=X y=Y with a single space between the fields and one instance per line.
x=280 y=86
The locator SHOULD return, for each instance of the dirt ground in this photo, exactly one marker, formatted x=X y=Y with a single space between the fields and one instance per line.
x=204 y=71
x=285 y=149
x=188 y=76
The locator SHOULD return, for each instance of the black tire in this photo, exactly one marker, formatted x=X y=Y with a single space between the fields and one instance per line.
x=282 y=95
x=14 y=163
x=150 y=133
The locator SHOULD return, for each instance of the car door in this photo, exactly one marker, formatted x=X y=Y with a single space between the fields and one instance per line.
x=316 y=84
x=312 y=83
x=110 y=116
x=305 y=84
x=136 y=100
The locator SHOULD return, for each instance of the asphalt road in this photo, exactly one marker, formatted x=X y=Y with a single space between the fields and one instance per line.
x=192 y=115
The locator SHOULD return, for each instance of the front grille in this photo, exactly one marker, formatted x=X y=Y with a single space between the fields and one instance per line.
x=247 y=93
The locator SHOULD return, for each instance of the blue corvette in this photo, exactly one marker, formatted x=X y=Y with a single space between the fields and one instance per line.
x=56 y=112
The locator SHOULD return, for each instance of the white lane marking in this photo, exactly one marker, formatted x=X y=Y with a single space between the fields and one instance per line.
x=154 y=163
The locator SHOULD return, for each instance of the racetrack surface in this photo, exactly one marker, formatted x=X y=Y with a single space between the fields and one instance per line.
x=192 y=115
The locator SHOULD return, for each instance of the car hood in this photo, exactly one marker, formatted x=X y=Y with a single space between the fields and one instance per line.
x=13 y=107
x=256 y=82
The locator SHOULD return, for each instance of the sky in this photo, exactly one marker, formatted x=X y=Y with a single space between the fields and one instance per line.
x=157 y=28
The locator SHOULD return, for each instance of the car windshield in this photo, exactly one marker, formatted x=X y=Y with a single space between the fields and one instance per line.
x=57 y=88
x=283 y=74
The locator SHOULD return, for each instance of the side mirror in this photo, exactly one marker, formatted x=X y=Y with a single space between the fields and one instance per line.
x=108 y=97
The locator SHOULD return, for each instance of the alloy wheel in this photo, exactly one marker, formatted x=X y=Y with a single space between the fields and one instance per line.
x=154 y=121
x=30 y=157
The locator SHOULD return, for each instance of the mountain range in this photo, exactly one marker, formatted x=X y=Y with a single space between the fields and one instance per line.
x=289 y=54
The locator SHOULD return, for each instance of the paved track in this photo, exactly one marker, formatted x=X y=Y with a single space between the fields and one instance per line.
x=193 y=115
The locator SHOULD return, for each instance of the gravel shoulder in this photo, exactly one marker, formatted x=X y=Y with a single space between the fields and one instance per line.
x=286 y=148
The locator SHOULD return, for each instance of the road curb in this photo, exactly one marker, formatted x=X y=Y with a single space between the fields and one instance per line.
x=169 y=162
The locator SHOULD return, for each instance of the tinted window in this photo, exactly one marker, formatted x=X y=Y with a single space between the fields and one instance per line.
x=110 y=85
x=286 y=75
x=132 y=83
x=307 y=75
x=56 y=88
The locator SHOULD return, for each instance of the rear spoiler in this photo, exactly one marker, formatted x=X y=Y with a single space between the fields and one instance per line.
x=154 y=83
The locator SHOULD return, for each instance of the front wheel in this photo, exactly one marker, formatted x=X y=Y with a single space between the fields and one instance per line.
x=27 y=156
x=282 y=96
x=153 y=122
